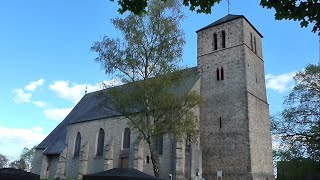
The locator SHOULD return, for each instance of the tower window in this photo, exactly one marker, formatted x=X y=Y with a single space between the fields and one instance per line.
x=222 y=74
x=126 y=139
x=77 y=145
x=218 y=74
x=223 y=36
x=215 y=41
x=147 y=159
x=255 y=45
x=220 y=122
x=100 y=142
x=251 y=43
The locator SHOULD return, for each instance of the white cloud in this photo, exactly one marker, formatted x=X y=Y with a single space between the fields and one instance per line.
x=21 y=96
x=13 y=139
x=56 y=114
x=280 y=83
x=37 y=129
x=34 y=84
x=39 y=104
x=75 y=92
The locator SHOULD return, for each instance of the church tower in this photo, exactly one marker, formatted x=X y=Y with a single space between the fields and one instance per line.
x=234 y=122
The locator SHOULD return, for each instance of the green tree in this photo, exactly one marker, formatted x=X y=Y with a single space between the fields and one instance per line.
x=3 y=161
x=299 y=124
x=146 y=60
x=25 y=160
x=19 y=164
x=305 y=11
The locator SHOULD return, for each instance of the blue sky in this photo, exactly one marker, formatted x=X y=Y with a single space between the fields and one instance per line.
x=46 y=63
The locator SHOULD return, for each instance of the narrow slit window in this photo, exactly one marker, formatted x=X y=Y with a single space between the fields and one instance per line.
x=148 y=160
x=220 y=123
x=215 y=41
x=223 y=37
x=159 y=145
x=222 y=73
x=255 y=45
x=126 y=139
x=251 y=43
x=218 y=74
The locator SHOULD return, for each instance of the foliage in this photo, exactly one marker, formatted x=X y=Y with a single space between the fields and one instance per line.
x=3 y=161
x=139 y=6
x=19 y=164
x=24 y=162
x=305 y=11
x=146 y=60
x=299 y=125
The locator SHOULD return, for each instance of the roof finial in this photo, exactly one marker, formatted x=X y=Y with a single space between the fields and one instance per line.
x=228 y=1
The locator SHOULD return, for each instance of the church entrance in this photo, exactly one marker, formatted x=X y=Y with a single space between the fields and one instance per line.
x=124 y=162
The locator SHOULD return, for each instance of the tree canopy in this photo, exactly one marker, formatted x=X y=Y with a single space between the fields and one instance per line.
x=146 y=59
x=305 y=11
x=298 y=127
x=3 y=161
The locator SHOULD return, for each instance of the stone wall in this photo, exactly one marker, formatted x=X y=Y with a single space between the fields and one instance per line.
x=228 y=121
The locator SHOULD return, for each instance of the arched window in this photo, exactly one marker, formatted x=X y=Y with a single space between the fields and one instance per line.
x=215 y=41
x=222 y=74
x=223 y=37
x=77 y=145
x=159 y=145
x=100 y=142
x=218 y=74
x=126 y=139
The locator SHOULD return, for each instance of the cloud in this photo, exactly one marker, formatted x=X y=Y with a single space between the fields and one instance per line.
x=39 y=104
x=56 y=114
x=34 y=84
x=75 y=92
x=14 y=139
x=21 y=96
x=37 y=129
x=280 y=83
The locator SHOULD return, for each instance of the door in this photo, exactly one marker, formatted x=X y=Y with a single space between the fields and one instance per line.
x=124 y=162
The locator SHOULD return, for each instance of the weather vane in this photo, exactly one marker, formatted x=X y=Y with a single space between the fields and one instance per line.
x=228 y=6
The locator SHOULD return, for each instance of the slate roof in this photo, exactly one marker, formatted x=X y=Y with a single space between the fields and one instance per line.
x=17 y=174
x=120 y=173
x=225 y=19
x=93 y=107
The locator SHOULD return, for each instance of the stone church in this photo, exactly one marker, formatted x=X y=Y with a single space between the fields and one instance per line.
x=234 y=140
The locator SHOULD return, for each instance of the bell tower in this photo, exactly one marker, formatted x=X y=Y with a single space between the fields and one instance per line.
x=234 y=121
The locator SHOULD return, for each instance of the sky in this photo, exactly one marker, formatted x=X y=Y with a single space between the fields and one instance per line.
x=46 y=63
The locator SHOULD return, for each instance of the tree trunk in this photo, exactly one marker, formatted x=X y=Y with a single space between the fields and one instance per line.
x=155 y=160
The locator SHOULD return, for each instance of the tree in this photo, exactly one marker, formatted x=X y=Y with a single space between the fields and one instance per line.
x=146 y=60
x=299 y=124
x=3 y=161
x=25 y=160
x=305 y=11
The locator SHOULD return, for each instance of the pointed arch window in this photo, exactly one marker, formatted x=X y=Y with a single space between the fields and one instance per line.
x=126 y=139
x=100 y=142
x=223 y=37
x=77 y=145
x=222 y=73
x=218 y=74
x=215 y=41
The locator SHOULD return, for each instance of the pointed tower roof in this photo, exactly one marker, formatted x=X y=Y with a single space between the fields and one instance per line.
x=225 y=19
